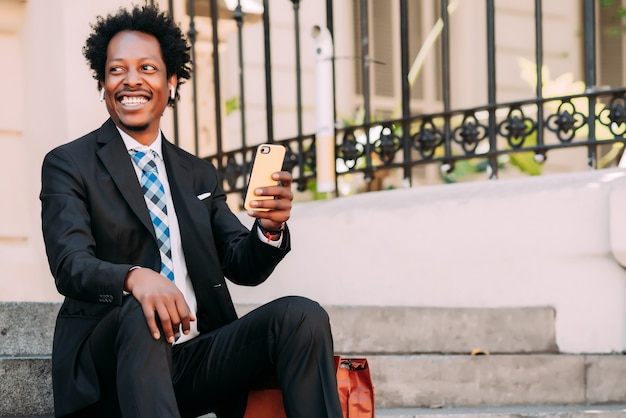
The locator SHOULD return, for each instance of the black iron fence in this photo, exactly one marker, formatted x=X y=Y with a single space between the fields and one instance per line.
x=487 y=133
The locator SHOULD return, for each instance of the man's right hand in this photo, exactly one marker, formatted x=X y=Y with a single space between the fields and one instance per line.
x=158 y=295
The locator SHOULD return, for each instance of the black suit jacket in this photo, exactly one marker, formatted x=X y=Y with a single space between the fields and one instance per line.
x=96 y=226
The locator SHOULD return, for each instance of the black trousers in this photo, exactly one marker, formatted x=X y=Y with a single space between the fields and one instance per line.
x=289 y=338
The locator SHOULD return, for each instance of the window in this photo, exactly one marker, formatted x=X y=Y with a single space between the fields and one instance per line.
x=385 y=54
x=610 y=41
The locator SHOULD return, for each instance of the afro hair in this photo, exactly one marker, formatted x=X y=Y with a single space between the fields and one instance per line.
x=147 y=19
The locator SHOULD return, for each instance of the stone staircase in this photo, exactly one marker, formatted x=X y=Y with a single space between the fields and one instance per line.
x=425 y=362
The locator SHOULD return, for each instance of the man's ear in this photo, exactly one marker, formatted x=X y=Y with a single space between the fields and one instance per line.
x=172 y=85
x=101 y=91
x=173 y=81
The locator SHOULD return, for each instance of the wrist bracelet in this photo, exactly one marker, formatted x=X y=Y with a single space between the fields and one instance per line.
x=270 y=235
x=269 y=231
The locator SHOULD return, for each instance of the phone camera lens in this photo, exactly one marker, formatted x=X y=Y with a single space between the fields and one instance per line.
x=265 y=150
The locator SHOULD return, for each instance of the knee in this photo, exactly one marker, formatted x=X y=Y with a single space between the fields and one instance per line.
x=130 y=308
x=305 y=313
x=130 y=315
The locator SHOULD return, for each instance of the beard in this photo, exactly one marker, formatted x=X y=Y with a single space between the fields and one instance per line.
x=135 y=128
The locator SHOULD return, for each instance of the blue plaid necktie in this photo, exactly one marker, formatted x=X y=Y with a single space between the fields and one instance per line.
x=155 y=200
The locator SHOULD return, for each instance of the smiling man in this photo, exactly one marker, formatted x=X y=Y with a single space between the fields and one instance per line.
x=140 y=241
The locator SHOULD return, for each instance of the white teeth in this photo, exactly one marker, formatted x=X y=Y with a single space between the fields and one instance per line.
x=133 y=101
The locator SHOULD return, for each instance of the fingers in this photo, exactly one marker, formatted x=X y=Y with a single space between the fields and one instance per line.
x=284 y=178
x=169 y=320
x=171 y=314
x=280 y=206
x=185 y=320
x=151 y=321
x=162 y=303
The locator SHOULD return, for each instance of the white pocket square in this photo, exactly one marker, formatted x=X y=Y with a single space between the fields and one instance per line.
x=204 y=195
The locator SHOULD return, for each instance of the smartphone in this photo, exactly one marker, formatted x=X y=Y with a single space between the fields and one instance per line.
x=268 y=159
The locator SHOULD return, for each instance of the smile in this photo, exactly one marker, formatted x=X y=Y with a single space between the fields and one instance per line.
x=133 y=101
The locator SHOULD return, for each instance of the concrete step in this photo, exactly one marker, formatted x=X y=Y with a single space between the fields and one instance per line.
x=26 y=328
x=411 y=330
x=356 y=329
x=391 y=338
x=25 y=386
x=522 y=411
x=519 y=411
x=426 y=381
x=435 y=381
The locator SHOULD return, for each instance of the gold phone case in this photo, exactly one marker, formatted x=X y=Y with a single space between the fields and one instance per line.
x=267 y=161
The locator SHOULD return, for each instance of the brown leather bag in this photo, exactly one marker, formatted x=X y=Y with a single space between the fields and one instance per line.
x=354 y=385
x=265 y=403
x=356 y=392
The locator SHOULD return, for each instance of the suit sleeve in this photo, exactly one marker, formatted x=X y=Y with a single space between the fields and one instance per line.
x=245 y=259
x=70 y=245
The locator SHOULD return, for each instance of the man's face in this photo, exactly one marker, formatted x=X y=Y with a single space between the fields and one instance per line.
x=136 y=84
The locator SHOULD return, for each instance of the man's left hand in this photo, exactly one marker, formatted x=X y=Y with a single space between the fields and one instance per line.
x=279 y=207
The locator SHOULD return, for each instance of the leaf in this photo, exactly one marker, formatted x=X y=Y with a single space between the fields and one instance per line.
x=231 y=105
x=526 y=163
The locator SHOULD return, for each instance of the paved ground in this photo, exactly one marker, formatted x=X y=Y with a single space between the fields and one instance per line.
x=522 y=411
x=495 y=411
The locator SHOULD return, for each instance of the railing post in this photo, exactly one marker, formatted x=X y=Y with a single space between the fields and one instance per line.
x=365 y=65
x=445 y=76
x=269 y=104
x=238 y=17
x=192 y=38
x=170 y=8
x=491 y=88
x=539 y=73
x=590 y=76
x=331 y=28
x=406 y=91
x=217 y=91
x=296 y=12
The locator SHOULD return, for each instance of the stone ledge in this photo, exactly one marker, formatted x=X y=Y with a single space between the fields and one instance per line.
x=27 y=329
x=419 y=381
x=457 y=380
x=417 y=330
x=606 y=376
x=410 y=330
x=518 y=411
x=521 y=411
x=25 y=386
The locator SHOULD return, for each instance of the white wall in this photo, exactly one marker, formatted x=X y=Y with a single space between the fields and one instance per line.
x=50 y=98
x=541 y=241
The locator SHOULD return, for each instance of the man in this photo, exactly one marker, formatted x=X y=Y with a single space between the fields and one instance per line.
x=140 y=239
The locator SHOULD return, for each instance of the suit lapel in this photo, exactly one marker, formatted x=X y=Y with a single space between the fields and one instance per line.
x=193 y=218
x=180 y=178
x=114 y=156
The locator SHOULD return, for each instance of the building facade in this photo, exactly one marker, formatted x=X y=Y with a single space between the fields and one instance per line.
x=50 y=97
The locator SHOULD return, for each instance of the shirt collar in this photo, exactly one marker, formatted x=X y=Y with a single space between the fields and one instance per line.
x=132 y=143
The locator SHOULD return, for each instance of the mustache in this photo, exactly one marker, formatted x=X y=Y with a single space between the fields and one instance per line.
x=133 y=91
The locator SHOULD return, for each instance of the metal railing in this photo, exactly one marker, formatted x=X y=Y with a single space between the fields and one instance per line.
x=488 y=132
